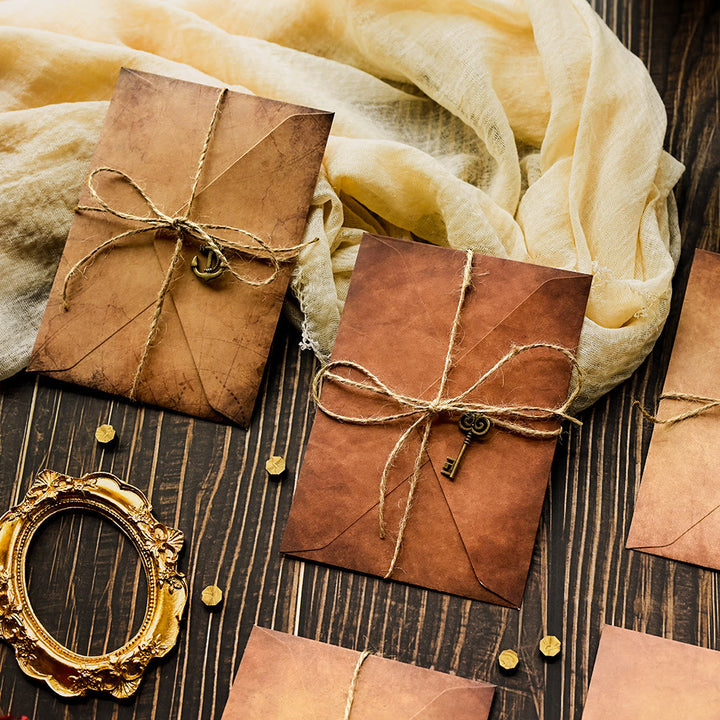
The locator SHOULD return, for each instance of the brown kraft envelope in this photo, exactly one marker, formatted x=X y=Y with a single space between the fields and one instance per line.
x=283 y=677
x=259 y=174
x=677 y=508
x=643 y=677
x=473 y=536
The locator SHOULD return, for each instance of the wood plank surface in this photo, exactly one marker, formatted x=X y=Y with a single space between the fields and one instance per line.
x=86 y=582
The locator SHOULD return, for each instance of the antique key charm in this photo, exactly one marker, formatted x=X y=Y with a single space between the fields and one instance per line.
x=474 y=425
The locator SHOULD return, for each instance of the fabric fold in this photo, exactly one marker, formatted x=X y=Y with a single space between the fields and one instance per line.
x=521 y=130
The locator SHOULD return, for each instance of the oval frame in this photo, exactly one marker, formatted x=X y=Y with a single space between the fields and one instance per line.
x=41 y=656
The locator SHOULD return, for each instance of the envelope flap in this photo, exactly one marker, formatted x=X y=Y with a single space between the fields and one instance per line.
x=405 y=295
x=399 y=331
x=678 y=495
x=150 y=112
x=122 y=303
x=267 y=189
x=266 y=192
x=286 y=677
x=509 y=303
x=497 y=495
x=134 y=142
x=462 y=703
x=642 y=676
x=259 y=173
x=390 y=690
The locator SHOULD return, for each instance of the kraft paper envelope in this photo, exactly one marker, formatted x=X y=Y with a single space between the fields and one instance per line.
x=643 y=677
x=472 y=536
x=677 y=508
x=283 y=677
x=259 y=174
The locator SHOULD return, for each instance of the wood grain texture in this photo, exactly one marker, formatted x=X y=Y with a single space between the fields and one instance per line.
x=209 y=480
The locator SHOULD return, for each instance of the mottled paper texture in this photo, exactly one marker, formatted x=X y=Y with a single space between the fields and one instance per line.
x=677 y=508
x=259 y=174
x=284 y=677
x=473 y=536
x=643 y=677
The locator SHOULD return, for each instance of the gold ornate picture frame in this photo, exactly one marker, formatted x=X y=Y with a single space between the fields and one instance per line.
x=37 y=652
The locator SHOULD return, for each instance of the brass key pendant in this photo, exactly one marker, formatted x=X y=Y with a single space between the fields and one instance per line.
x=474 y=425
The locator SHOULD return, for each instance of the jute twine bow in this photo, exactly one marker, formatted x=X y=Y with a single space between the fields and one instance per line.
x=511 y=418
x=706 y=403
x=353 y=684
x=196 y=233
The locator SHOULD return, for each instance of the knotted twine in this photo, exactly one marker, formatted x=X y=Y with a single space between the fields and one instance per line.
x=510 y=418
x=196 y=233
x=706 y=403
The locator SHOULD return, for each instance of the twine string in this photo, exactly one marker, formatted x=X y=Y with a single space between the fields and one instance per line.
x=184 y=229
x=353 y=684
x=516 y=419
x=427 y=419
x=159 y=302
x=706 y=403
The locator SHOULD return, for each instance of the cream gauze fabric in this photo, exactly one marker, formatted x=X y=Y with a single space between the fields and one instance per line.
x=523 y=130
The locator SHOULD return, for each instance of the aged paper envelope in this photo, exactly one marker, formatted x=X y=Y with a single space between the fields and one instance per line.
x=284 y=677
x=677 y=511
x=643 y=677
x=472 y=536
x=259 y=173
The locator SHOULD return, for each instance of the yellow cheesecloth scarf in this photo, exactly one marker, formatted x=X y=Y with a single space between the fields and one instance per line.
x=523 y=130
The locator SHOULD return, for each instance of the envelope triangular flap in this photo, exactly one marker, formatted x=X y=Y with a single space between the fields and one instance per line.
x=287 y=677
x=637 y=675
x=396 y=323
x=266 y=191
x=135 y=141
x=283 y=676
x=251 y=178
x=503 y=482
x=677 y=509
x=390 y=690
x=461 y=703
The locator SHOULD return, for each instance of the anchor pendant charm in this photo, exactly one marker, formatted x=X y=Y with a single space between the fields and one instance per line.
x=474 y=425
x=213 y=267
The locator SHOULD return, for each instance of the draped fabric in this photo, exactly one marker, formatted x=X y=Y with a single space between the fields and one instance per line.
x=523 y=130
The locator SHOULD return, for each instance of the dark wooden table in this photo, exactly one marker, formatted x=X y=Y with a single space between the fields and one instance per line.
x=86 y=581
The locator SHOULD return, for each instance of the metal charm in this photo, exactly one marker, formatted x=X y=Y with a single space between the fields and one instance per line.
x=37 y=652
x=212 y=266
x=508 y=661
x=474 y=426
x=550 y=647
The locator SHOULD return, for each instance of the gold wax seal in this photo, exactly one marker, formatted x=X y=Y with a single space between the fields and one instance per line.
x=105 y=434
x=508 y=661
x=212 y=596
x=275 y=465
x=550 y=646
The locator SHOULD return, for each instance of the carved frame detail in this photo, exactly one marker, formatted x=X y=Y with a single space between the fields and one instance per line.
x=37 y=652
